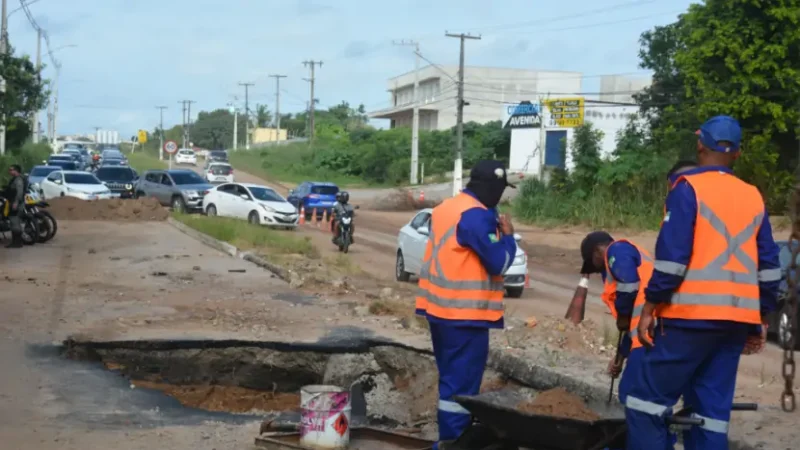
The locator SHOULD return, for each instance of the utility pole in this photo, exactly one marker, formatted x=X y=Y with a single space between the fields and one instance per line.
x=3 y=50
x=542 y=135
x=246 y=114
x=35 y=117
x=415 y=120
x=311 y=63
x=277 y=104
x=161 y=132
x=189 y=121
x=96 y=135
x=458 y=168
x=183 y=121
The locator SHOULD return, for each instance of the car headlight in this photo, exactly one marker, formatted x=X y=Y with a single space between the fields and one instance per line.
x=192 y=193
x=267 y=208
x=520 y=259
x=129 y=186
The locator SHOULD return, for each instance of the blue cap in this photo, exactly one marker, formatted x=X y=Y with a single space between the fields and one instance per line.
x=721 y=128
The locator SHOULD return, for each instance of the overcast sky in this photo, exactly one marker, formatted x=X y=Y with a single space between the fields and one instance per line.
x=132 y=55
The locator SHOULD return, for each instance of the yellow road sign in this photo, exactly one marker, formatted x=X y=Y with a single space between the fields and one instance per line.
x=566 y=112
x=142 y=136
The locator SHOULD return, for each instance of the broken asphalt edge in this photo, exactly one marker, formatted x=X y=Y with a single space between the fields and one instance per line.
x=514 y=367
x=229 y=249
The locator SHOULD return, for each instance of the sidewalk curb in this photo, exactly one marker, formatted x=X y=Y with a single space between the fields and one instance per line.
x=229 y=249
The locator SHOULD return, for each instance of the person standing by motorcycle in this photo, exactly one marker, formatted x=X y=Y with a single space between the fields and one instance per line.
x=340 y=208
x=15 y=194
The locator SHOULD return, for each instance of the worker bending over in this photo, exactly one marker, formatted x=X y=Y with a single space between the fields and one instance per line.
x=625 y=267
x=716 y=278
x=461 y=288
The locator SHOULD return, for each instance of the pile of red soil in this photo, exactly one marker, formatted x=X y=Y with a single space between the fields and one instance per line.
x=143 y=209
x=558 y=403
x=401 y=200
x=226 y=398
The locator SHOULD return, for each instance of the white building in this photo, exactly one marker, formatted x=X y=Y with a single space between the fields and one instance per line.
x=620 y=89
x=485 y=89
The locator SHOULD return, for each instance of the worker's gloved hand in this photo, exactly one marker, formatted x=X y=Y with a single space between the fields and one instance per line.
x=506 y=226
x=623 y=323
x=615 y=366
x=755 y=344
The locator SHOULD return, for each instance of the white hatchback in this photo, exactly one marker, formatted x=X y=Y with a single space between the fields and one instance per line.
x=413 y=238
x=73 y=183
x=217 y=172
x=259 y=205
x=186 y=156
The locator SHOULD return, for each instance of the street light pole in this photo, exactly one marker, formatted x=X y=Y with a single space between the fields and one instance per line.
x=3 y=51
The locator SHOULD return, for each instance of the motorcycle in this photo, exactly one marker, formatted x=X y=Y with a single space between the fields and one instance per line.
x=345 y=224
x=30 y=225
x=34 y=206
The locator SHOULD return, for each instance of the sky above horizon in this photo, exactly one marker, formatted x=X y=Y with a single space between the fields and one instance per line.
x=124 y=57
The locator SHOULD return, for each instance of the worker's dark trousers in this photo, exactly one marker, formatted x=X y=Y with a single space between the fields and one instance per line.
x=461 y=354
x=701 y=365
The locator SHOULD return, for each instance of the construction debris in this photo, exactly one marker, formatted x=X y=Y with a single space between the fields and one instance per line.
x=558 y=403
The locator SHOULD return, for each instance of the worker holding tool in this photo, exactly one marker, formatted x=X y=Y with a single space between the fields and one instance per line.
x=716 y=278
x=461 y=288
x=624 y=267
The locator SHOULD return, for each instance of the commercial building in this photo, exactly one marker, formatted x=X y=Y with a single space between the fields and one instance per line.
x=262 y=135
x=485 y=89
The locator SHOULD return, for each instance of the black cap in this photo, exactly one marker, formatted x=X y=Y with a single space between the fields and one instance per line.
x=590 y=242
x=490 y=170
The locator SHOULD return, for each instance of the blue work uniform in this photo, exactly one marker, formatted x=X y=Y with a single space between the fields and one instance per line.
x=461 y=347
x=696 y=358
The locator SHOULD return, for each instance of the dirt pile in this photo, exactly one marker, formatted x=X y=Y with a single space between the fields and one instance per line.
x=226 y=398
x=558 y=403
x=143 y=209
x=401 y=200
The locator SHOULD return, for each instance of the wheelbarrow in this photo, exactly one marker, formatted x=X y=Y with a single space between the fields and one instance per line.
x=499 y=427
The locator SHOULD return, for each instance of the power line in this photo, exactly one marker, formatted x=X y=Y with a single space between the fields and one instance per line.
x=311 y=107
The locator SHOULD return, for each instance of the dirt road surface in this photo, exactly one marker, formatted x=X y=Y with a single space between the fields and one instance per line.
x=104 y=280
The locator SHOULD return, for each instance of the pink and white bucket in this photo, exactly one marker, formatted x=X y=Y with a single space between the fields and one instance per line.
x=324 y=416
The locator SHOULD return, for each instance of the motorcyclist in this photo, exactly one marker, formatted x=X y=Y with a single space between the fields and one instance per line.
x=95 y=161
x=340 y=208
x=15 y=194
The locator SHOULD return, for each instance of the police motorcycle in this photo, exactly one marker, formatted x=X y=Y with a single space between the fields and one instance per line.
x=30 y=224
x=345 y=224
x=35 y=206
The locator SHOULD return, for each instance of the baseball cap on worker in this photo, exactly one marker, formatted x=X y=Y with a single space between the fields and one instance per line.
x=721 y=129
x=588 y=245
x=488 y=170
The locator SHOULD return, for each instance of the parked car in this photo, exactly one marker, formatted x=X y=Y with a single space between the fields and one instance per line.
x=120 y=180
x=62 y=164
x=413 y=238
x=113 y=162
x=779 y=321
x=181 y=189
x=186 y=156
x=217 y=155
x=74 y=183
x=217 y=172
x=112 y=154
x=38 y=174
x=314 y=195
x=259 y=205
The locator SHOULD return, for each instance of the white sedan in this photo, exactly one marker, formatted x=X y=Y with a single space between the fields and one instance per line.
x=259 y=205
x=73 y=183
x=413 y=238
x=186 y=156
x=217 y=172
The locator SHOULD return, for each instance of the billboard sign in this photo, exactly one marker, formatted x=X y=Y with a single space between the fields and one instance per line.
x=521 y=115
x=566 y=112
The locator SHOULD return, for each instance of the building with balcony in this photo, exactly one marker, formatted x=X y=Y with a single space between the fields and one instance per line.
x=485 y=90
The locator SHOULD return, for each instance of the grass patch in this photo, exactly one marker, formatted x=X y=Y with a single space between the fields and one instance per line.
x=343 y=264
x=142 y=161
x=251 y=237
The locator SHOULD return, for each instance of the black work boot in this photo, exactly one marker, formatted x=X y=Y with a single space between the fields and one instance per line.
x=16 y=241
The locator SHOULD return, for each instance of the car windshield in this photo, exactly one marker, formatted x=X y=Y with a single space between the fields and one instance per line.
x=80 y=178
x=108 y=174
x=221 y=155
x=186 y=152
x=324 y=190
x=266 y=194
x=112 y=162
x=60 y=158
x=220 y=169
x=43 y=171
x=186 y=178
x=112 y=154
x=64 y=165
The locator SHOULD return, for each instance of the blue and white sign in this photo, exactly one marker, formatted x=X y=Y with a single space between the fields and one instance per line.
x=521 y=115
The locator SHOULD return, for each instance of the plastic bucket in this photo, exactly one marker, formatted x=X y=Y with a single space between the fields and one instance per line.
x=324 y=416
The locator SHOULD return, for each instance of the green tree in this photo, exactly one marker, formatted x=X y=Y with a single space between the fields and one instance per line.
x=214 y=129
x=585 y=150
x=263 y=117
x=25 y=93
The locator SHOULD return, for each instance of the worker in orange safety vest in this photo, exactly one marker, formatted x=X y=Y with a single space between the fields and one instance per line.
x=715 y=280
x=461 y=287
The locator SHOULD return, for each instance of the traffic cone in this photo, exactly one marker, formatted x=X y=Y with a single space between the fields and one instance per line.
x=324 y=218
x=302 y=215
x=527 y=280
x=314 y=215
x=421 y=196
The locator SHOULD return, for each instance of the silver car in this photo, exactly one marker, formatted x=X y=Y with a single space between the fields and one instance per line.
x=183 y=190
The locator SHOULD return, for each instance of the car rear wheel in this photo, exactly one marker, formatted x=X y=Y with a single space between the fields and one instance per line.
x=514 y=292
x=211 y=211
x=253 y=218
x=400 y=268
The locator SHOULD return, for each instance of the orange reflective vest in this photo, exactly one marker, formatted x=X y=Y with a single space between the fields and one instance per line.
x=611 y=287
x=721 y=280
x=453 y=284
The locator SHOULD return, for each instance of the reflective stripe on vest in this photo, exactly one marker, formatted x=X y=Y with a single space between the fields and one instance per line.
x=714 y=287
x=645 y=271
x=466 y=291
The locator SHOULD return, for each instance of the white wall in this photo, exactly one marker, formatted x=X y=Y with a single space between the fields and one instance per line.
x=525 y=143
